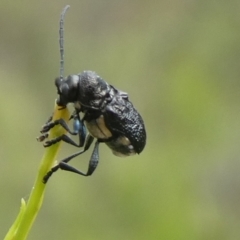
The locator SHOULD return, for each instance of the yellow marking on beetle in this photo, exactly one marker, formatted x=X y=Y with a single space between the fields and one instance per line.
x=98 y=129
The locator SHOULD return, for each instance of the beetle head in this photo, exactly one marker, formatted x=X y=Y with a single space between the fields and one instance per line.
x=86 y=88
x=67 y=89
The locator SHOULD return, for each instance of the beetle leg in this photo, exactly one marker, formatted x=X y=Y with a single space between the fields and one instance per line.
x=81 y=134
x=78 y=128
x=44 y=134
x=91 y=167
x=64 y=166
x=42 y=137
x=49 y=125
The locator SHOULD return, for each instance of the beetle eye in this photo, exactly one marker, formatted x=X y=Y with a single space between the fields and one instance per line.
x=64 y=89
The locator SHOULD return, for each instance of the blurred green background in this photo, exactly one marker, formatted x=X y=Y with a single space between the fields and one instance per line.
x=179 y=62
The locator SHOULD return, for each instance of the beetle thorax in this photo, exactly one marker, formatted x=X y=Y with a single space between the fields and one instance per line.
x=93 y=90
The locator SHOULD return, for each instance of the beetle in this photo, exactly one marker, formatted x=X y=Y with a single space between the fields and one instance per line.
x=107 y=115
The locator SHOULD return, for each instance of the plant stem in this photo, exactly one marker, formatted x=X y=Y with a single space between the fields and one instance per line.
x=26 y=217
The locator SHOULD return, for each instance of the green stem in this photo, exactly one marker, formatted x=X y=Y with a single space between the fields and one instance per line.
x=27 y=215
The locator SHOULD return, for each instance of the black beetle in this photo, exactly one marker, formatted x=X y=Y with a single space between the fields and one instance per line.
x=108 y=114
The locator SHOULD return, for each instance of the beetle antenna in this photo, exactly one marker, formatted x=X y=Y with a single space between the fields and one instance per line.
x=61 y=41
